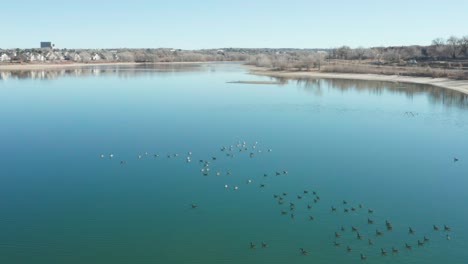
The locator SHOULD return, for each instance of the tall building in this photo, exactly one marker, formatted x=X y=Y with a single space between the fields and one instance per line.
x=45 y=45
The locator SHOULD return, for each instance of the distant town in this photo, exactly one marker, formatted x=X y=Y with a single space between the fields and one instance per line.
x=442 y=58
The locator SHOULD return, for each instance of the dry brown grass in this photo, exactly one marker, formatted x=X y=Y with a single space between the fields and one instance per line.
x=455 y=74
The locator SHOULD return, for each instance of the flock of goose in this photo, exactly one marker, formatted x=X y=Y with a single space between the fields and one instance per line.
x=311 y=198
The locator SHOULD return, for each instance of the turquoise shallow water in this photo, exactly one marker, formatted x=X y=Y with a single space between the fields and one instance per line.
x=389 y=147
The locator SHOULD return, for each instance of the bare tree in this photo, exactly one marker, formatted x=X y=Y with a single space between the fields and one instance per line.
x=453 y=45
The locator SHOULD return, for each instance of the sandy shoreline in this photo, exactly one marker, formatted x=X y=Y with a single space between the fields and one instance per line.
x=457 y=85
x=40 y=66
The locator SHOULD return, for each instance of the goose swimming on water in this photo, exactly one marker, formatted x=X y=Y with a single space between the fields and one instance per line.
x=378 y=233
x=383 y=252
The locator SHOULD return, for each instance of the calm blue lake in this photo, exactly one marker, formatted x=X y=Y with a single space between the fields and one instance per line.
x=358 y=145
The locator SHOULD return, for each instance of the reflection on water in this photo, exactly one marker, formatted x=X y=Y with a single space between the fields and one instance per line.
x=98 y=70
x=436 y=95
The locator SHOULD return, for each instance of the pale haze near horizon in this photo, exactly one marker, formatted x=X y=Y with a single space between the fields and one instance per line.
x=218 y=24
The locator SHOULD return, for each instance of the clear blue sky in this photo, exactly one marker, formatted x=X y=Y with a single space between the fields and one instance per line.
x=236 y=23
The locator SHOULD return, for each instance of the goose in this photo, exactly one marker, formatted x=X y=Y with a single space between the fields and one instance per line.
x=284 y=212
x=411 y=231
x=363 y=257
x=455 y=159
x=447 y=228
x=342 y=229
x=315 y=200
x=337 y=235
x=292 y=216
x=420 y=243
x=194 y=206
x=346 y=210
x=311 y=218
x=262 y=185
x=353 y=209
x=426 y=239
x=123 y=162
x=394 y=250
x=348 y=248
x=370 y=242
x=251 y=155
x=378 y=233
x=306 y=192
x=333 y=209
x=359 y=237
x=309 y=206
x=280 y=202
x=284 y=194
x=270 y=150
x=252 y=245
x=156 y=155
x=370 y=221
x=345 y=202
x=360 y=205
x=275 y=196
x=370 y=211
x=407 y=246
x=299 y=197
x=265 y=175
x=354 y=229
x=285 y=172
x=436 y=228
x=264 y=244
x=383 y=252
x=303 y=251
x=447 y=237
x=336 y=244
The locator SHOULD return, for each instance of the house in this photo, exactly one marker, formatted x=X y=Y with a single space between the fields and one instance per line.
x=85 y=56
x=95 y=57
x=4 y=57
x=72 y=56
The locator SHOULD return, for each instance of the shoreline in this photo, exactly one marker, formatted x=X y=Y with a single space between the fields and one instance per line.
x=45 y=66
x=457 y=85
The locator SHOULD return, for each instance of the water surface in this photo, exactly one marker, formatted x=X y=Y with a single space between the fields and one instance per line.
x=387 y=146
